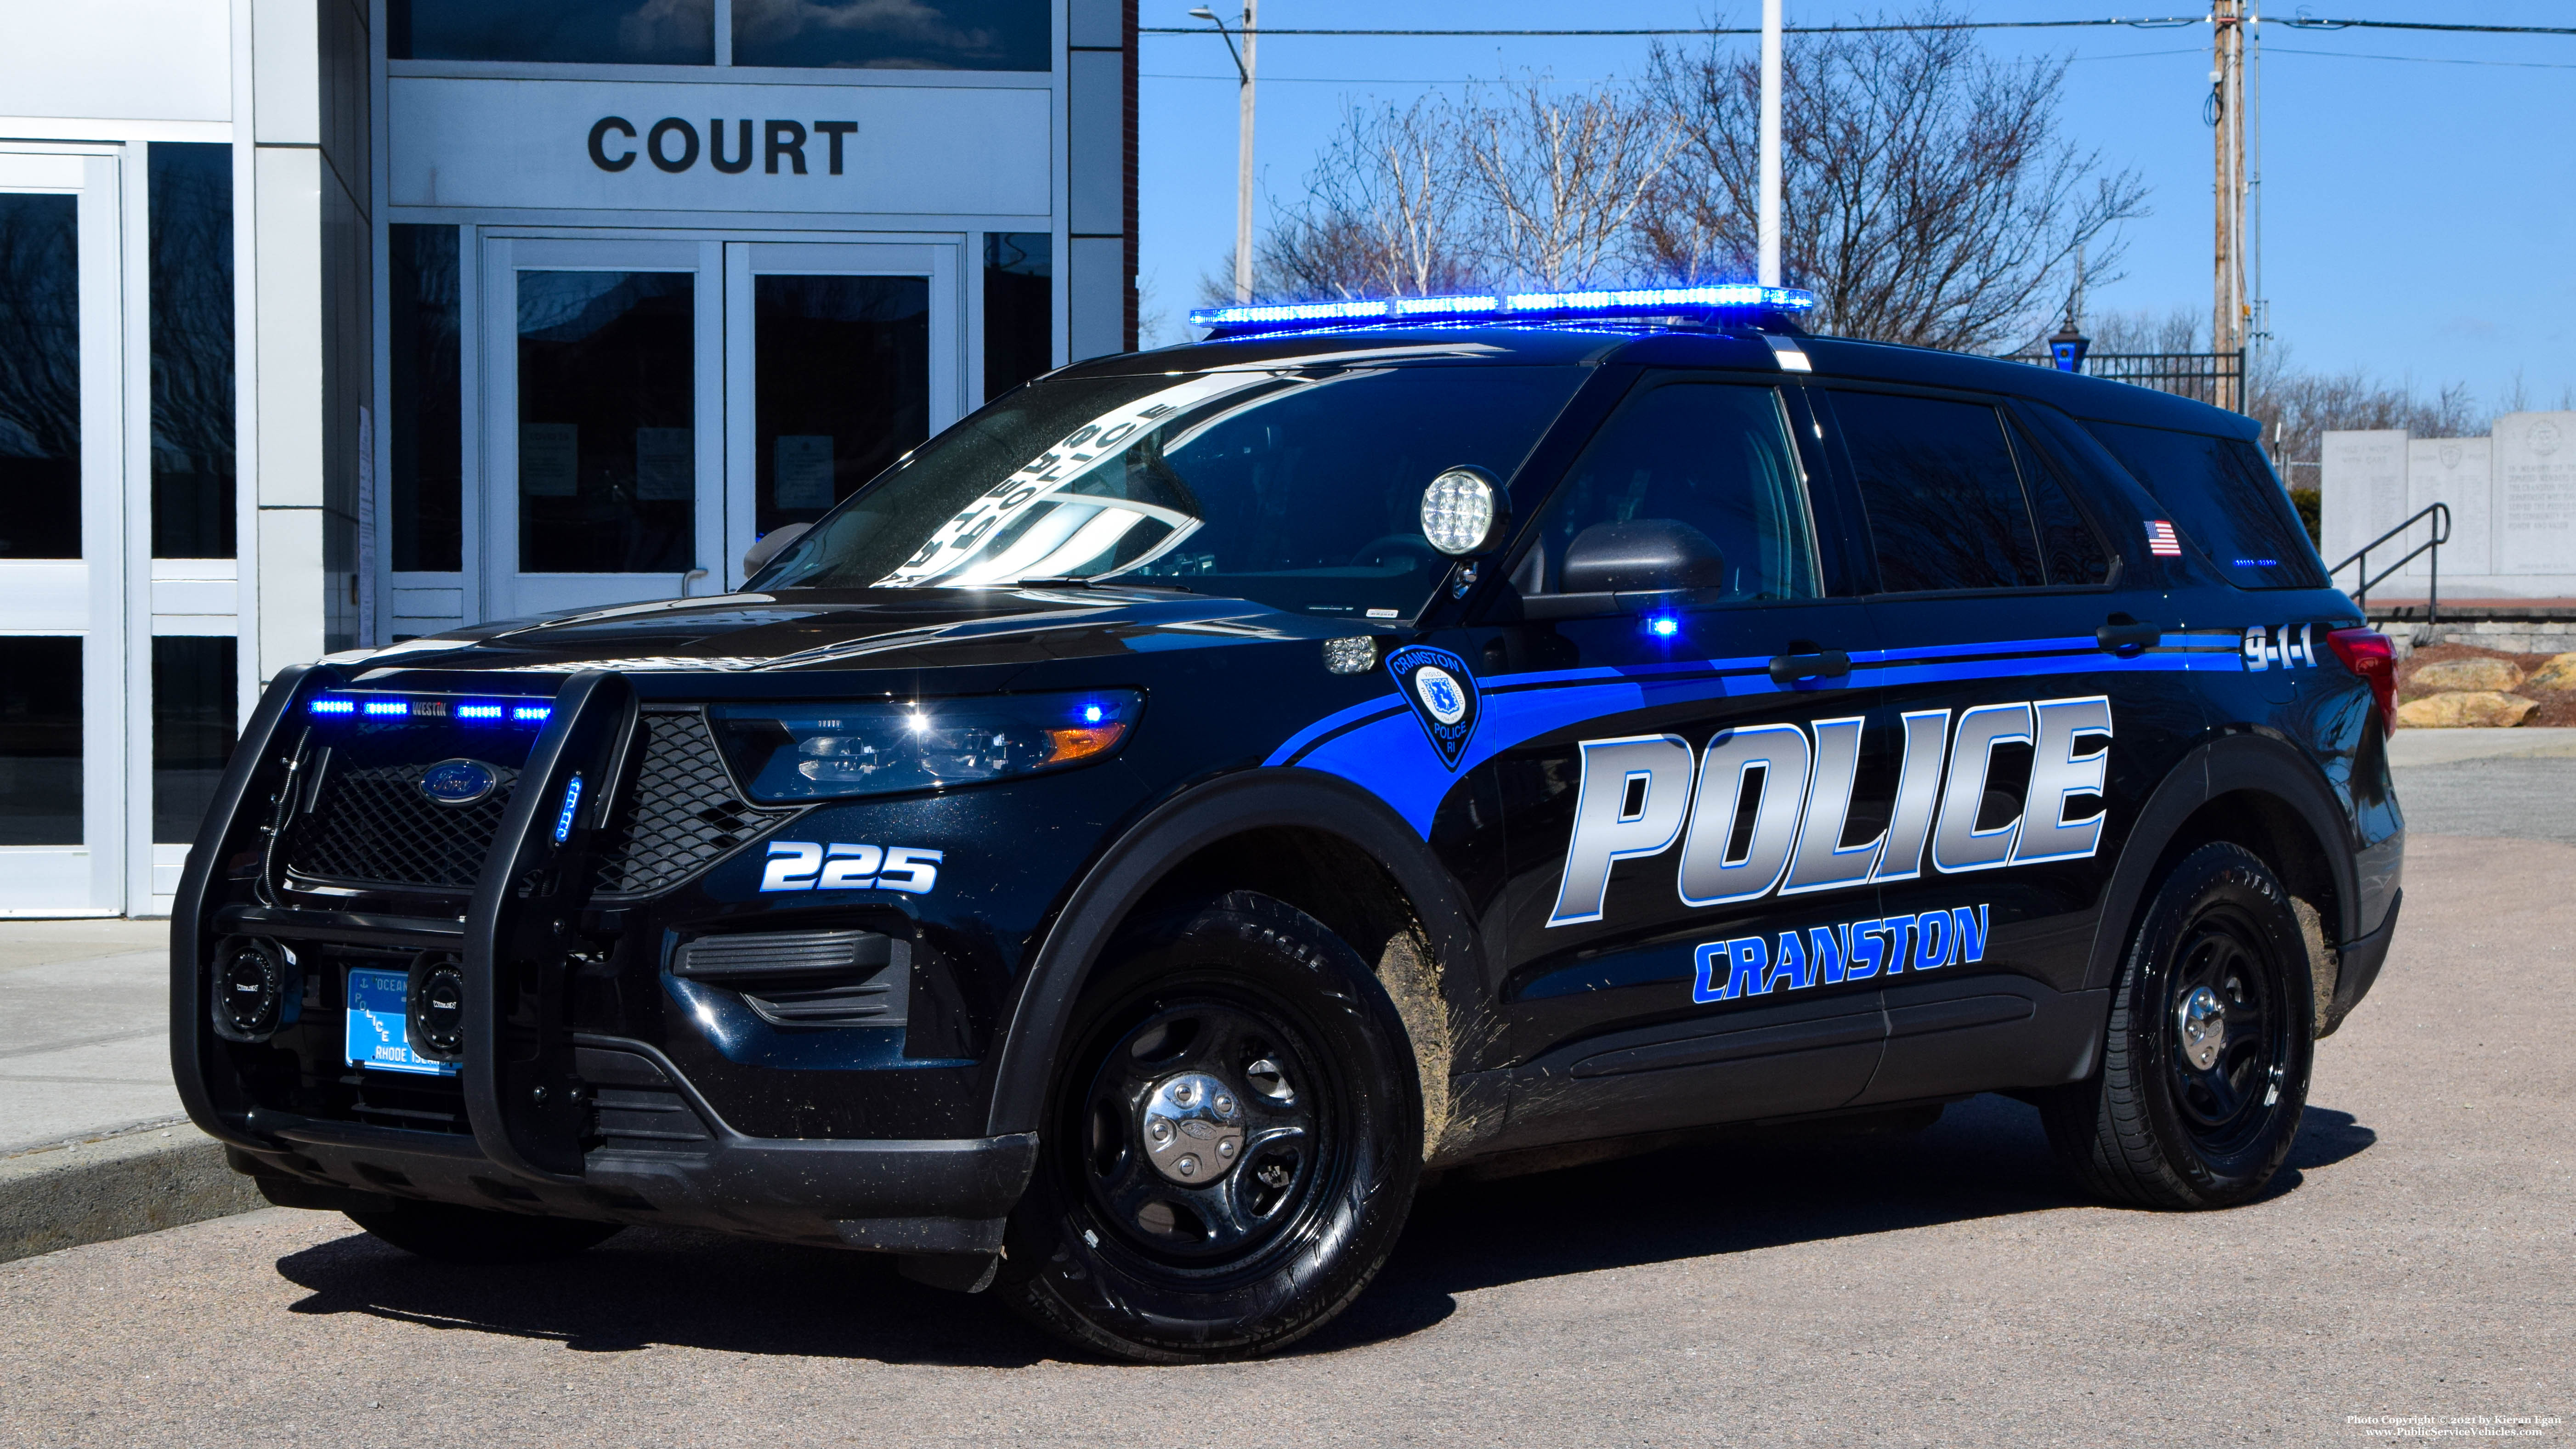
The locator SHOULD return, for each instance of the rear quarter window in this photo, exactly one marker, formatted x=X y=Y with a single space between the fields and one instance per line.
x=2224 y=499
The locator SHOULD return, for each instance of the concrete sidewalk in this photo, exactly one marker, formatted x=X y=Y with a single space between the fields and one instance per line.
x=93 y=1142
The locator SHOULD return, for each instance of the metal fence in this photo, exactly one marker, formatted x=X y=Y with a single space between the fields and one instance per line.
x=2217 y=378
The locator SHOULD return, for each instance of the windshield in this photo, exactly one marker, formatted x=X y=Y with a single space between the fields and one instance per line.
x=1301 y=490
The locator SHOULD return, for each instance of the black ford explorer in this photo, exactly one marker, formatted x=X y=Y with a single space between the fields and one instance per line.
x=1113 y=858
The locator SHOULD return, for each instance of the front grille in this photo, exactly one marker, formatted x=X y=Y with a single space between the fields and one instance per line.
x=683 y=813
x=374 y=824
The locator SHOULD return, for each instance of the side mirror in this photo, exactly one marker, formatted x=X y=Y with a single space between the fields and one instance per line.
x=1465 y=512
x=1642 y=556
x=769 y=545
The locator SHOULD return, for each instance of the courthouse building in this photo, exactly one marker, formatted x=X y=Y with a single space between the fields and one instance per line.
x=326 y=323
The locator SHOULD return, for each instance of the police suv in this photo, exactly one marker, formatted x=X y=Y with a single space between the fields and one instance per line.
x=1115 y=856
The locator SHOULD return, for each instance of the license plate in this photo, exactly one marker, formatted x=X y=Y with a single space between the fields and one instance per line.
x=378 y=1024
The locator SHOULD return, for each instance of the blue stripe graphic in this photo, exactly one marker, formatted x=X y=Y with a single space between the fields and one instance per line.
x=1381 y=748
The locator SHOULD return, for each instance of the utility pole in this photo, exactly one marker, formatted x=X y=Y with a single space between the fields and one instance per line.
x=2230 y=311
x=1767 y=221
x=1243 y=67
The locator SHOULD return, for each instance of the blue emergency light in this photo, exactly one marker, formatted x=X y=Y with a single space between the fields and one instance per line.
x=1731 y=299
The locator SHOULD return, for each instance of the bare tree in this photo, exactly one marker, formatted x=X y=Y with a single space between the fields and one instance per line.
x=1382 y=210
x=1927 y=195
x=1559 y=182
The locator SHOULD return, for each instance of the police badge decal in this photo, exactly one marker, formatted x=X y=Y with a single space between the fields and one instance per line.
x=1442 y=692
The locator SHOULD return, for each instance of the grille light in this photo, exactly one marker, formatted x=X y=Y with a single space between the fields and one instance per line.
x=482 y=711
x=533 y=713
x=386 y=707
x=334 y=706
x=1738 y=298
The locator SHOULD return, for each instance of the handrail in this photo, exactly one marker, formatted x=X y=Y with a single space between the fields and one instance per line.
x=2440 y=513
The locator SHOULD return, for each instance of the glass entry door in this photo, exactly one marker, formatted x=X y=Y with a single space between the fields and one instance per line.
x=652 y=407
x=62 y=541
x=603 y=409
x=839 y=358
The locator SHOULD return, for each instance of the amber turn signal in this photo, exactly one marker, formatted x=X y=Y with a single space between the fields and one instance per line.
x=1084 y=742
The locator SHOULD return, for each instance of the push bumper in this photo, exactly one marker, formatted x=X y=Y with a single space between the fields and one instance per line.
x=530 y=1081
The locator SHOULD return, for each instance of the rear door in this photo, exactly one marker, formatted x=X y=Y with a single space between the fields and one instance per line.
x=1685 y=848
x=2014 y=659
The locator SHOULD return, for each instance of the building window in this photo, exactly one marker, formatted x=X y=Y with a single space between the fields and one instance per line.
x=1019 y=309
x=595 y=32
x=912 y=35
x=40 y=395
x=192 y=349
x=40 y=739
x=425 y=462
x=194 y=705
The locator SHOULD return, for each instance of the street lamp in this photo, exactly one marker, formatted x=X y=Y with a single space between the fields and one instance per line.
x=1243 y=66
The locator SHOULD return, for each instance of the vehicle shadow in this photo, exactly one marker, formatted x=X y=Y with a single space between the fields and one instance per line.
x=1987 y=1157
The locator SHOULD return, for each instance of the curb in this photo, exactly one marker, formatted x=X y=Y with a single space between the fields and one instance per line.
x=139 y=1180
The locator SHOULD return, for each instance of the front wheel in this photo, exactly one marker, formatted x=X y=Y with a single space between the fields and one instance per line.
x=2205 y=1066
x=1232 y=1143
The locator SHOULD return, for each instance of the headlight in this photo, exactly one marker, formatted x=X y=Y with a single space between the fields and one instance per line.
x=828 y=751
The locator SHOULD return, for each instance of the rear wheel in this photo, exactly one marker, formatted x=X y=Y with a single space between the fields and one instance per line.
x=2205 y=1066
x=1232 y=1143
x=451 y=1234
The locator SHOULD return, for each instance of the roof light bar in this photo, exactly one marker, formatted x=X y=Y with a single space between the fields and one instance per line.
x=1734 y=297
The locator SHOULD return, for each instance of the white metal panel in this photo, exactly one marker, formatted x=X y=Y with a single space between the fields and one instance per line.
x=138 y=60
x=44 y=596
x=918 y=150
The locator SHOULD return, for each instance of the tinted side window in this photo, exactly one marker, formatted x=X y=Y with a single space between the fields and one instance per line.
x=1944 y=502
x=2224 y=499
x=1713 y=457
x=2069 y=547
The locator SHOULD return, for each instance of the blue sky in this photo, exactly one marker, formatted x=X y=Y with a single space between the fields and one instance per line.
x=2421 y=216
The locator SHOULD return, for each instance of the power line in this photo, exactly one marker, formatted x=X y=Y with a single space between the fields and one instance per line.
x=2141 y=23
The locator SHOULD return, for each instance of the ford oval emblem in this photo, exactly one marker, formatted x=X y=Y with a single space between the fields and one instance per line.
x=458 y=782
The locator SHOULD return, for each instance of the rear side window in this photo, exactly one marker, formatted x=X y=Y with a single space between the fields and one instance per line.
x=2072 y=550
x=2224 y=499
x=1944 y=501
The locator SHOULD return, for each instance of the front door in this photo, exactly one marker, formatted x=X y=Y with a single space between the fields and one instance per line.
x=1690 y=906
x=62 y=652
x=653 y=406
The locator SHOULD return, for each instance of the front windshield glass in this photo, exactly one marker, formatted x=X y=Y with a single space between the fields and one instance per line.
x=1301 y=490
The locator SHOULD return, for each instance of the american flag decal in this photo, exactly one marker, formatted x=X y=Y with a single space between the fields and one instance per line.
x=2162 y=540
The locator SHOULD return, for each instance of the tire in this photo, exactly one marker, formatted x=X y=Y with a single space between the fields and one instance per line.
x=1242 y=1007
x=2197 y=1114
x=445 y=1233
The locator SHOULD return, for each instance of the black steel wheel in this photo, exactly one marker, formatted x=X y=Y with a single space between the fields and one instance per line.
x=1232 y=1143
x=2205 y=1065
x=446 y=1233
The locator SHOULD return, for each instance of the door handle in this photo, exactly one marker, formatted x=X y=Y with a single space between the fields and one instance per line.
x=1806 y=661
x=2127 y=637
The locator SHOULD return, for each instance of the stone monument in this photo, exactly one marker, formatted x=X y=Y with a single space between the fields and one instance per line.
x=2453 y=471
x=2362 y=494
x=2535 y=493
x=2513 y=507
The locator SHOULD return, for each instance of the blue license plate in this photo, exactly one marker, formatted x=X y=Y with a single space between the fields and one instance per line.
x=378 y=1021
